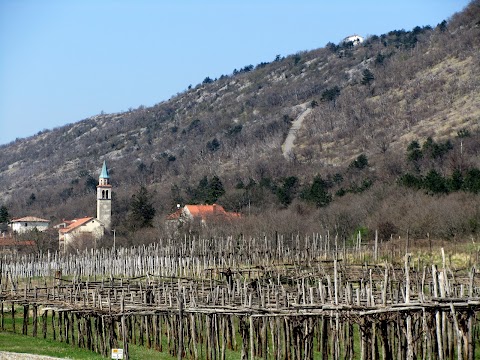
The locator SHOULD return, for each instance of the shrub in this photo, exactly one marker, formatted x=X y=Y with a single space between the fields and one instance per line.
x=360 y=162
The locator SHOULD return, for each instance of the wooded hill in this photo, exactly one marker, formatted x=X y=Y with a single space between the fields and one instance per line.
x=391 y=142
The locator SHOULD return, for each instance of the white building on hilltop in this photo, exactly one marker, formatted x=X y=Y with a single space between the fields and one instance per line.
x=354 y=39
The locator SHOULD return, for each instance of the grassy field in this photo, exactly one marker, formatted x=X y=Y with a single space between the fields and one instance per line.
x=29 y=345
x=18 y=343
x=15 y=342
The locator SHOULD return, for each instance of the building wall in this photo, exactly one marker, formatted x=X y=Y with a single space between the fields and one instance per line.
x=356 y=39
x=22 y=227
x=104 y=203
x=104 y=212
x=93 y=228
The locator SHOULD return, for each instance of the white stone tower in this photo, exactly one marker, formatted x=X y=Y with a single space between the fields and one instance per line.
x=104 y=198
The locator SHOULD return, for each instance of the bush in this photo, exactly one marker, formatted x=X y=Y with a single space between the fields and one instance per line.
x=360 y=162
x=213 y=145
x=386 y=230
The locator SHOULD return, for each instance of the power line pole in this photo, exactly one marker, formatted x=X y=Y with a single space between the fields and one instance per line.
x=113 y=240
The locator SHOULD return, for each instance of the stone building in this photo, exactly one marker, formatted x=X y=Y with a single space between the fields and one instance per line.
x=77 y=232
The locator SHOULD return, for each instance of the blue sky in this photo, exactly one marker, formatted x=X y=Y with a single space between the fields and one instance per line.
x=63 y=61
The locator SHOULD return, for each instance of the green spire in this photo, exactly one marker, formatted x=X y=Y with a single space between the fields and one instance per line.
x=104 y=173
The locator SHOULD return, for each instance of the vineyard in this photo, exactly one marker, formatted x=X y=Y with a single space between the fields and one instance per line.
x=268 y=298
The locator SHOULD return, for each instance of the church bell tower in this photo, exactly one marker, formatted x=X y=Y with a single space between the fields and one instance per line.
x=104 y=198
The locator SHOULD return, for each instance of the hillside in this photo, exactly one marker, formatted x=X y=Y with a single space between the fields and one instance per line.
x=367 y=104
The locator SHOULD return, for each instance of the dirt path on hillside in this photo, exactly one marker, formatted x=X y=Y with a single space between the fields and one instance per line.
x=287 y=146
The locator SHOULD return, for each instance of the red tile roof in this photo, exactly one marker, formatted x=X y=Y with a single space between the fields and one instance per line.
x=204 y=212
x=73 y=224
x=176 y=215
x=29 y=219
x=9 y=241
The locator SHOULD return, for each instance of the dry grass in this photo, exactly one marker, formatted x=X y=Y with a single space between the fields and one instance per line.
x=459 y=255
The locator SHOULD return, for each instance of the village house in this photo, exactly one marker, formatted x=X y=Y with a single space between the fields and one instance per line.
x=199 y=214
x=76 y=231
x=28 y=223
x=71 y=231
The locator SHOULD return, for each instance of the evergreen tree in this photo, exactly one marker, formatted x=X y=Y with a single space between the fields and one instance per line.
x=332 y=47
x=199 y=194
x=436 y=150
x=207 y=192
x=287 y=191
x=142 y=210
x=435 y=183
x=360 y=162
x=442 y=26
x=368 y=77
x=4 y=215
x=31 y=199
x=215 y=190
x=331 y=95
x=337 y=178
x=213 y=145
x=380 y=58
x=317 y=193
x=455 y=183
x=411 y=181
x=472 y=181
x=90 y=184
x=413 y=151
x=428 y=145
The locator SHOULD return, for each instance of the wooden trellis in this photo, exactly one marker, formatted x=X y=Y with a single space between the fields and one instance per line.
x=270 y=300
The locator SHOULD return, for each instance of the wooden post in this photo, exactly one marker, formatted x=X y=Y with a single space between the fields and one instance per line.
x=25 y=319
x=44 y=323
x=324 y=338
x=407 y=242
x=459 y=333
x=470 y=339
x=2 y=315
x=126 y=354
x=180 y=319
x=252 y=339
x=35 y=320
x=53 y=326
x=72 y=326
x=147 y=319
x=13 y=317
x=193 y=336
